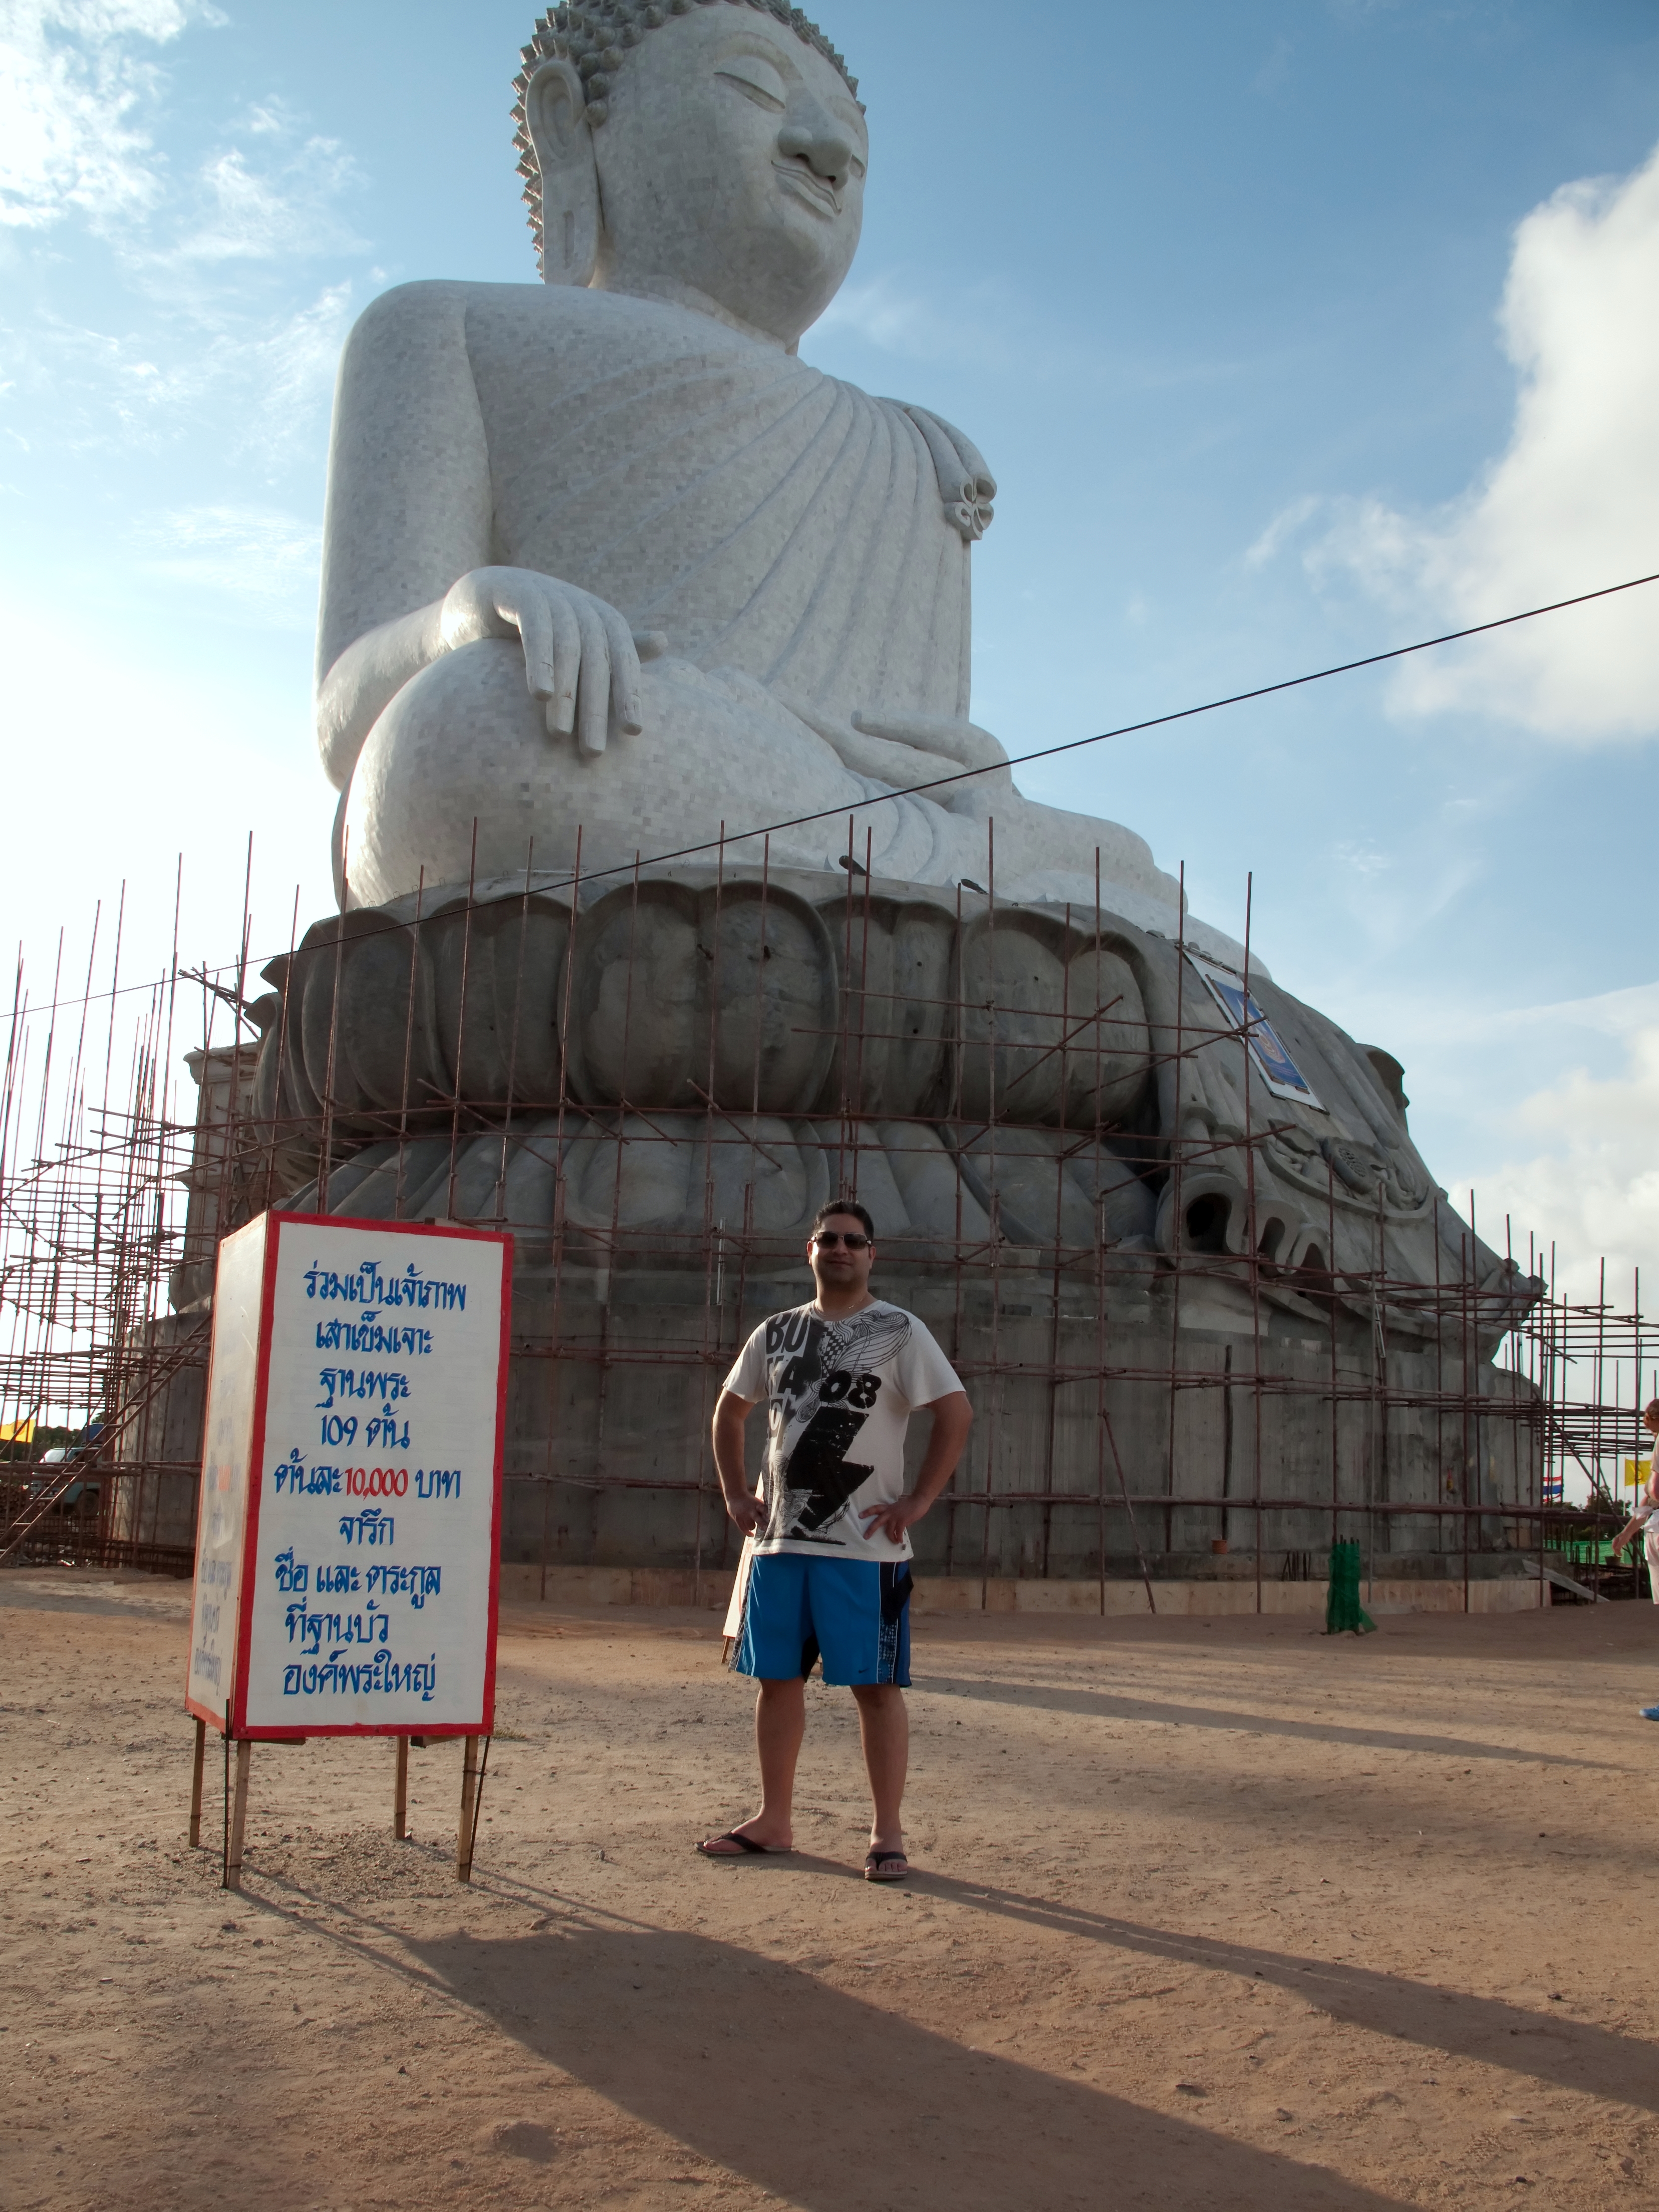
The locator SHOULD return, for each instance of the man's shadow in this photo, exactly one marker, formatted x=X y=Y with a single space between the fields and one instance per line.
x=1548 y=2046
x=837 y=2104
x=1100 y=1705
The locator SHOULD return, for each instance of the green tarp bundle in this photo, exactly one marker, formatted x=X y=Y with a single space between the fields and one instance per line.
x=1342 y=1608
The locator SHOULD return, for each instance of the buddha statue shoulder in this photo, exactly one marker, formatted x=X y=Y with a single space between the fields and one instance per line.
x=605 y=560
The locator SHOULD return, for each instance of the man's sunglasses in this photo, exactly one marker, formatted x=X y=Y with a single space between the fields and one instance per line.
x=828 y=1238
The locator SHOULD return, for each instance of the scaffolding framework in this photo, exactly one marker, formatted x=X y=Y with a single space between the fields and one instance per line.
x=1419 y=1419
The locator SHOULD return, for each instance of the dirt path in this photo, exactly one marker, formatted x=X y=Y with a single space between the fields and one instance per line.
x=1210 y=1916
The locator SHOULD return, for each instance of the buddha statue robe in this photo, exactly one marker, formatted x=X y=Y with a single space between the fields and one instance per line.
x=800 y=548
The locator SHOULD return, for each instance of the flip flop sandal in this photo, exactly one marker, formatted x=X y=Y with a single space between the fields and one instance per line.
x=746 y=1847
x=877 y=1865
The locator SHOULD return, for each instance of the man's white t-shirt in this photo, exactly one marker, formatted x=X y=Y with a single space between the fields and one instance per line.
x=839 y=1395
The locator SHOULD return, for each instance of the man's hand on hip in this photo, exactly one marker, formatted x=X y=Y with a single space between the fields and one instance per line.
x=953 y=1417
x=746 y=1509
x=891 y=1521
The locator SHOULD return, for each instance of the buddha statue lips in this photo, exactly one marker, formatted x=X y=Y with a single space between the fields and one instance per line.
x=603 y=556
x=813 y=189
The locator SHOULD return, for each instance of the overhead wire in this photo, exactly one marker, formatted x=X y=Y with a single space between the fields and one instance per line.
x=1124 y=729
x=558 y=878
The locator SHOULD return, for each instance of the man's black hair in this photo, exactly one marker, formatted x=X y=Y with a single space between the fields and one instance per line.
x=844 y=1205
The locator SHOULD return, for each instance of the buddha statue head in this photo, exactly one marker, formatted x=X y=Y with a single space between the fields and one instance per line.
x=708 y=152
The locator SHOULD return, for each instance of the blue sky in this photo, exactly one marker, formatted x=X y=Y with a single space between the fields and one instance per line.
x=1290 y=331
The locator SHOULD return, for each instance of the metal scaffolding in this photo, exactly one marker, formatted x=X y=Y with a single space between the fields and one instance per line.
x=1438 y=1418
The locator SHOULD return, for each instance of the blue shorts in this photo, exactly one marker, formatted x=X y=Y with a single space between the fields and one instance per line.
x=854 y=1613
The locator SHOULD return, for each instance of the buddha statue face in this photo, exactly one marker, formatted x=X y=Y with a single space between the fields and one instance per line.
x=727 y=171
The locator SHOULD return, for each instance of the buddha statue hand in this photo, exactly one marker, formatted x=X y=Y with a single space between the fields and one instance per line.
x=959 y=741
x=581 y=658
x=905 y=751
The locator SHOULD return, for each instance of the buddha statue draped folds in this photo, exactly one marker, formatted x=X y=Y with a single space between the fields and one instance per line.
x=792 y=554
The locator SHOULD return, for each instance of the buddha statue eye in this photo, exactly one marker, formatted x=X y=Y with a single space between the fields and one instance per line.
x=756 y=79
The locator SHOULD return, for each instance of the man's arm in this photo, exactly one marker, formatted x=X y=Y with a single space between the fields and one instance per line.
x=730 y=1412
x=1629 y=1529
x=953 y=1419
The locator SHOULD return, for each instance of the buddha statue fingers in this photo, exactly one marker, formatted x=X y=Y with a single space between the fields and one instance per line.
x=580 y=655
x=456 y=779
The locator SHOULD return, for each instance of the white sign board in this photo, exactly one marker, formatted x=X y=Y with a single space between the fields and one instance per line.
x=349 y=1534
x=227 y=1443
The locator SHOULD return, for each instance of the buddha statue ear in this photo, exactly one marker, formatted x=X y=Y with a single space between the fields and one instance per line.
x=555 y=113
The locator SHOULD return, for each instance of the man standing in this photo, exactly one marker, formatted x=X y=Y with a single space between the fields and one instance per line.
x=1645 y=1522
x=826 y=1571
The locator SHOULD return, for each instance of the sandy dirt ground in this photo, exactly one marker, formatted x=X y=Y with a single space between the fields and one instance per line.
x=1205 y=1916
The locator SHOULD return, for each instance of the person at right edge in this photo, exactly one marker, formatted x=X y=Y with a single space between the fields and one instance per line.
x=825 y=1571
x=1645 y=1522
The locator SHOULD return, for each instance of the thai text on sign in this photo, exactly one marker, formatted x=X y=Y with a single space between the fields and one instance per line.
x=349 y=1530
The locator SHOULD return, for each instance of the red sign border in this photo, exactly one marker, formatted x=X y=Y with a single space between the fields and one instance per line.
x=236 y=1717
x=224 y=1724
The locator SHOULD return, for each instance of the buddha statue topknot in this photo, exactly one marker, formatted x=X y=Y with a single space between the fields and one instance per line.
x=604 y=554
x=597 y=37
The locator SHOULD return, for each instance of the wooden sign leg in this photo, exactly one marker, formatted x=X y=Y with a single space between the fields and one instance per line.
x=400 y=1793
x=238 y=1816
x=195 y=1786
x=469 y=1810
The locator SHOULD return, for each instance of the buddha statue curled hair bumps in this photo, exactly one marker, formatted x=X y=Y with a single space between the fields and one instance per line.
x=596 y=35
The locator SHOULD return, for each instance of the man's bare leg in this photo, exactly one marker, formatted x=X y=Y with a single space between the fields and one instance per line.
x=885 y=1728
x=780 y=1725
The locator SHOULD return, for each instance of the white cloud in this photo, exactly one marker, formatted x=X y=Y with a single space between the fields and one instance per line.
x=1363 y=859
x=1572 y=505
x=71 y=87
x=1571 y=1159
x=266 y=560
x=1273 y=71
x=1003 y=331
x=262 y=383
x=1590 y=1179
x=1284 y=526
x=196 y=332
x=293 y=366
x=1547 y=1110
x=889 y=315
x=286 y=210
x=198 y=338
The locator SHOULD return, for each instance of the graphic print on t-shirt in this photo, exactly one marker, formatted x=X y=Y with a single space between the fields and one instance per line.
x=822 y=1383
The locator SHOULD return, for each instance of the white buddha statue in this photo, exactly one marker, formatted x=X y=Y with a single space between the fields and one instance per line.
x=603 y=554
